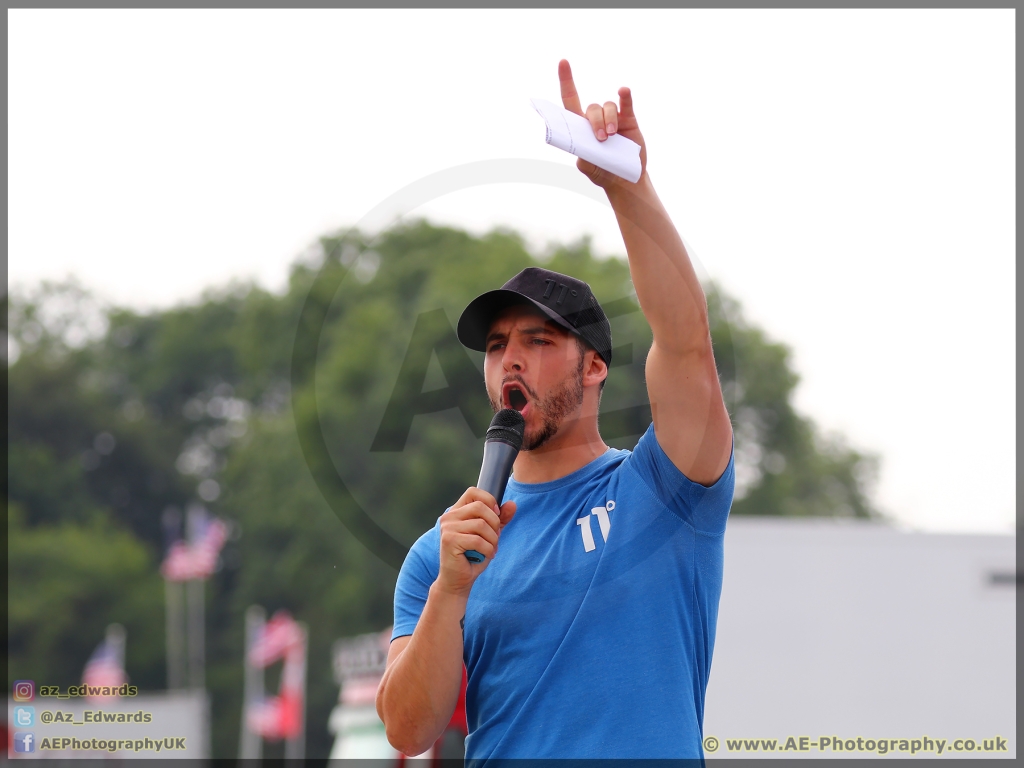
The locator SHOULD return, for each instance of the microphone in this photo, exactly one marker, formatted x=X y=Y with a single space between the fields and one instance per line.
x=501 y=446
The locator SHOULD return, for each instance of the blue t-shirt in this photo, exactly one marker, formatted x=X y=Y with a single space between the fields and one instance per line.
x=590 y=633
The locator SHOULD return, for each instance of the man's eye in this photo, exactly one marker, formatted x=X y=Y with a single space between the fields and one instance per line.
x=541 y=341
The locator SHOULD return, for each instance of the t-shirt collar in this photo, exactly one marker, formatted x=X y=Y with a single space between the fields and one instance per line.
x=580 y=475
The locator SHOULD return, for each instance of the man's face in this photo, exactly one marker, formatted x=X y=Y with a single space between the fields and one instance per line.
x=535 y=366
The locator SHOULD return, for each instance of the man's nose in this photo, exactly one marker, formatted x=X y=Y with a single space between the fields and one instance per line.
x=512 y=359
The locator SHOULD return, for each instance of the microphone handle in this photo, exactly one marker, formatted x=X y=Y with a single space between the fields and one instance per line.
x=499 y=457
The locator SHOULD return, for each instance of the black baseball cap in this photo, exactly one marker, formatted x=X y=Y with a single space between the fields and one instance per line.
x=567 y=301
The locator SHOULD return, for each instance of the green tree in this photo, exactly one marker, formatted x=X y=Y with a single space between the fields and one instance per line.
x=68 y=582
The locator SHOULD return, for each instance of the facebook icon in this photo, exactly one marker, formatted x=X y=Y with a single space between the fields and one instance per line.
x=24 y=741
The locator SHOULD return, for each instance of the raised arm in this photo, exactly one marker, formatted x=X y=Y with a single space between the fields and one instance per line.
x=690 y=419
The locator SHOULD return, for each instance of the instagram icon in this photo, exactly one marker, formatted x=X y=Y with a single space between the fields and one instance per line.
x=24 y=690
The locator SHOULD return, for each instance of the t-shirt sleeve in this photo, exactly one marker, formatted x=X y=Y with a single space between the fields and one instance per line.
x=419 y=571
x=706 y=508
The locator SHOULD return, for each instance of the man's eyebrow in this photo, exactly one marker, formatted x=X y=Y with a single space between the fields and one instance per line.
x=539 y=329
x=536 y=329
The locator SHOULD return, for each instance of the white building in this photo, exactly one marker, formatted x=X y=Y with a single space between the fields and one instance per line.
x=847 y=629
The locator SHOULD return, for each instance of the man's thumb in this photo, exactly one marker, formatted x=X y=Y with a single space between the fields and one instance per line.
x=508 y=510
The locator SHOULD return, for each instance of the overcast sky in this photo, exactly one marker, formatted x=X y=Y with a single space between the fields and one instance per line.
x=848 y=175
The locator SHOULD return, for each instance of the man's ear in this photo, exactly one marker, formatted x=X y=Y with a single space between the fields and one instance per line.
x=595 y=369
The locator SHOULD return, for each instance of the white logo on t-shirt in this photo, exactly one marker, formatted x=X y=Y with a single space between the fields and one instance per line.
x=601 y=513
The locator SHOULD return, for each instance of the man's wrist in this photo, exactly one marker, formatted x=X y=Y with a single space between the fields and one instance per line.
x=448 y=598
x=621 y=191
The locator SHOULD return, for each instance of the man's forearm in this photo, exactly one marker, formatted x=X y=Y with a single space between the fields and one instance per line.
x=420 y=689
x=666 y=284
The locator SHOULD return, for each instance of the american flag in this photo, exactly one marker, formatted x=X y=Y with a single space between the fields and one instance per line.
x=105 y=668
x=197 y=560
x=279 y=637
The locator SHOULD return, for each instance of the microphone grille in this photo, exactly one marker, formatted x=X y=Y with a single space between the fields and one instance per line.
x=508 y=425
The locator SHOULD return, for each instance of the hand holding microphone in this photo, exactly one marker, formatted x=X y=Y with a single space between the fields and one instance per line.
x=501 y=446
x=469 y=530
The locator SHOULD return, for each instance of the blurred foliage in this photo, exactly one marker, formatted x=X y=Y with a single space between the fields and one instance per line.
x=67 y=582
x=115 y=418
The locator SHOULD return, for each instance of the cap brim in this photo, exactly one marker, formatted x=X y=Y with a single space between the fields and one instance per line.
x=476 y=319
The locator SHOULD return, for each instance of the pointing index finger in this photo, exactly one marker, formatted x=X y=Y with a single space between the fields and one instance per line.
x=626 y=104
x=570 y=99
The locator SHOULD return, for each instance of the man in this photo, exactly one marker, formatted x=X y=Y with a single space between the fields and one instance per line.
x=590 y=633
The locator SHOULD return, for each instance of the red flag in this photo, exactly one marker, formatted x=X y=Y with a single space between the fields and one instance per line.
x=277 y=717
x=280 y=717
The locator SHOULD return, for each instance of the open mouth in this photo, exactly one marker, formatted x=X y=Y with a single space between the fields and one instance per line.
x=514 y=397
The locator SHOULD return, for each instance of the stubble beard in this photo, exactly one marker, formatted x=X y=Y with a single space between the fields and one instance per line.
x=554 y=409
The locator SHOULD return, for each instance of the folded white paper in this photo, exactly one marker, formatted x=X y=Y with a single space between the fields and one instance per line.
x=574 y=134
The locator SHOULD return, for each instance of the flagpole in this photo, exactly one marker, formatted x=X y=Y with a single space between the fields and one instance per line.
x=115 y=638
x=175 y=631
x=250 y=743
x=174 y=602
x=195 y=598
x=295 y=747
x=196 y=632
